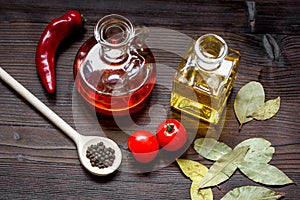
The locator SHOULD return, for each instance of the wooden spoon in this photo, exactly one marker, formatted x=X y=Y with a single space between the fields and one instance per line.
x=82 y=142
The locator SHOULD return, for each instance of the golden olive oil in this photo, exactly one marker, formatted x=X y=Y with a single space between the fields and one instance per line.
x=204 y=79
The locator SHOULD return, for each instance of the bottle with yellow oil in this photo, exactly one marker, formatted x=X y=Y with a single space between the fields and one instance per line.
x=204 y=78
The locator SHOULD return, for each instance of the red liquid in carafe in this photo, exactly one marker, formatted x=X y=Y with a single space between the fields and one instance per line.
x=100 y=96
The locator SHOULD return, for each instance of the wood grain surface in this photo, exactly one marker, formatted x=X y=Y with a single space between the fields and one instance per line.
x=37 y=161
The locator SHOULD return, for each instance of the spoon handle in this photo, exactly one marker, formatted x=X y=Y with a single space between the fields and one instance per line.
x=40 y=106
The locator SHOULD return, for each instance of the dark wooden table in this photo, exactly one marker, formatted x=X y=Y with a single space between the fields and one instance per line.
x=37 y=161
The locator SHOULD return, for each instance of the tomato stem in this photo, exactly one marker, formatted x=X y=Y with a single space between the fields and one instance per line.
x=170 y=127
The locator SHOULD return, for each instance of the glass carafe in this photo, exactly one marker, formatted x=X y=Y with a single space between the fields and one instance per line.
x=204 y=78
x=114 y=70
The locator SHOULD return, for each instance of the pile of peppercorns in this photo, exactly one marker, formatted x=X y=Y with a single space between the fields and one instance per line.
x=100 y=155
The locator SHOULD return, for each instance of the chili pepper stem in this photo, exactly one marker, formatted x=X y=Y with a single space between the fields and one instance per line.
x=83 y=19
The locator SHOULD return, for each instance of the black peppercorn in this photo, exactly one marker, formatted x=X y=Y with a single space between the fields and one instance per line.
x=100 y=156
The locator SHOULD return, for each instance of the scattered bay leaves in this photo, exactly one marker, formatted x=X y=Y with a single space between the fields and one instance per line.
x=249 y=97
x=192 y=169
x=224 y=167
x=266 y=110
x=200 y=194
x=264 y=173
x=210 y=148
x=252 y=192
x=260 y=150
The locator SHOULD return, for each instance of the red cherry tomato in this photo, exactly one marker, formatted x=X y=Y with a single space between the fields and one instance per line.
x=143 y=145
x=171 y=135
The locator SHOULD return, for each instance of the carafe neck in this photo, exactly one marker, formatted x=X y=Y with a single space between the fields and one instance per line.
x=114 y=33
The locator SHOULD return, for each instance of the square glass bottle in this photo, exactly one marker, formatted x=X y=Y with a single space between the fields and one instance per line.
x=204 y=78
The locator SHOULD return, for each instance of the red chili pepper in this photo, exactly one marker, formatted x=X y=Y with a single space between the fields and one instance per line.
x=55 y=32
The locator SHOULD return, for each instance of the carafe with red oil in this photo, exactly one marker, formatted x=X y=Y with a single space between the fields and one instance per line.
x=114 y=70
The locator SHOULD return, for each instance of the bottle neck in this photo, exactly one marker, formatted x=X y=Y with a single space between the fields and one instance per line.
x=210 y=51
x=114 y=33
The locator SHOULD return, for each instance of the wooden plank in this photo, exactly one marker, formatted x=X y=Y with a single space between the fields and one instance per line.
x=38 y=162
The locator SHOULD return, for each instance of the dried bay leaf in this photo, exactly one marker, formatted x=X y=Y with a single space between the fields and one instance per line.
x=252 y=192
x=195 y=171
x=224 y=167
x=210 y=148
x=200 y=194
x=249 y=97
x=271 y=46
x=192 y=169
x=260 y=150
x=266 y=110
x=264 y=173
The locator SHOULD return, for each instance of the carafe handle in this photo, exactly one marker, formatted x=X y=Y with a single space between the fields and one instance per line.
x=140 y=35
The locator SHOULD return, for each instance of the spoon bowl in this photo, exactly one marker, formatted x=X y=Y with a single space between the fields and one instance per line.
x=85 y=142
x=82 y=142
